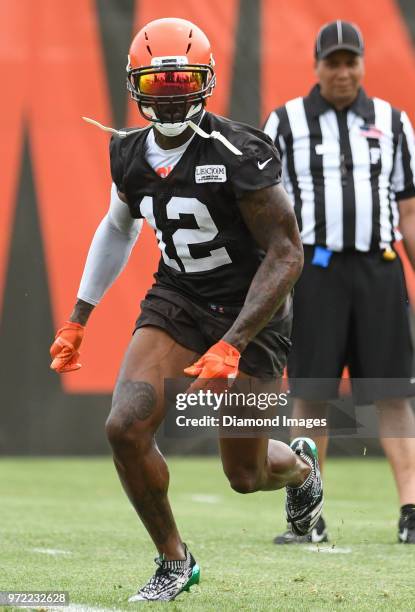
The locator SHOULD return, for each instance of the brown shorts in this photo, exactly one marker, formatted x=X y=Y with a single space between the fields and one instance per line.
x=198 y=327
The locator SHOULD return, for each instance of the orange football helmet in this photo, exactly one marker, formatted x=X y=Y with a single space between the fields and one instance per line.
x=170 y=71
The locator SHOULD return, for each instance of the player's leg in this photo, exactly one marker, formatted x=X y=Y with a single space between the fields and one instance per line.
x=258 y=463
x=136 y=413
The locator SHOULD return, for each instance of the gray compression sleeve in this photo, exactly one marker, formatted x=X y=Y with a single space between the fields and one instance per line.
x=110 y=249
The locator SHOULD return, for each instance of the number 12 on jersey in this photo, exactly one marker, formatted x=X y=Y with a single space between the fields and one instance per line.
x=182 y=238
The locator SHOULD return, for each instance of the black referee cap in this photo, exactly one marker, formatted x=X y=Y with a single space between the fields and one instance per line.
x=338 y=35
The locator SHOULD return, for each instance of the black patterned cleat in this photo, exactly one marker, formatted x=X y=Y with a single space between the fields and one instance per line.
x=318 y=534
x=170 y=579
x=406 y=528
x=304 y=504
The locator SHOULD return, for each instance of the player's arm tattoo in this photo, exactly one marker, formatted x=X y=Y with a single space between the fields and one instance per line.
x=81 y=312
x=269 y=215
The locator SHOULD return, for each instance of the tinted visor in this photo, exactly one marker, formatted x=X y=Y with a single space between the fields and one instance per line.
x=171 y=83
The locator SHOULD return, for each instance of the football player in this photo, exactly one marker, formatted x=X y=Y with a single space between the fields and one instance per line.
x=221 y=302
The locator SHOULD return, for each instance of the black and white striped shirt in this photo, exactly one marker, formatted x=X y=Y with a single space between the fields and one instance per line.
x=345 y=170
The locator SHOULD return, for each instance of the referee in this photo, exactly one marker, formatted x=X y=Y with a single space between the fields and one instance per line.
x=349 y=166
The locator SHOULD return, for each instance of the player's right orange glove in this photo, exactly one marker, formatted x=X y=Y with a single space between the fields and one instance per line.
x=220 y=363
x=64 y=350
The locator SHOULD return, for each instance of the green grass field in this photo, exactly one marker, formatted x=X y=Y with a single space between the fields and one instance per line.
x=66 y=525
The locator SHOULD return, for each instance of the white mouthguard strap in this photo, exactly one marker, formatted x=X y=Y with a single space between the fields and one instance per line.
x=121 y=133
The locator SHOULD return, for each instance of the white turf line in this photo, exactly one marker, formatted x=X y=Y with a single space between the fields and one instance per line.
x=72 y=608
x=205 y=499
x=82 y=608
x=51 y=551
x=329 y=549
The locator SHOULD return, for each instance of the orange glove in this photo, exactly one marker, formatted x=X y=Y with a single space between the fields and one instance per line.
x=64 y=350
x=220 y=361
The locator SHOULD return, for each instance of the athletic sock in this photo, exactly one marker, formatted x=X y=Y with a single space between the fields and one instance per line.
x=407 y=509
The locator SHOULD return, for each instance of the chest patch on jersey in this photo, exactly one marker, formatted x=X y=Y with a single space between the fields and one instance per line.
x=210 y=174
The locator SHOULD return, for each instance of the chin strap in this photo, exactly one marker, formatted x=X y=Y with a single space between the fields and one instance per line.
x=195 y=128
x=216 y=136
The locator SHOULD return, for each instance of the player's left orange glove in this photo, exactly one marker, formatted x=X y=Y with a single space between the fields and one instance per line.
x=220 y=361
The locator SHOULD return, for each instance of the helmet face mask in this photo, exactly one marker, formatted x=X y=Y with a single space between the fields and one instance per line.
x=171 y=91
x=169 y=88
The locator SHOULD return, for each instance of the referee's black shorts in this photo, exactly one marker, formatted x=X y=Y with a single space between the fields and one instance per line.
x=353 y=313
x=199 y=326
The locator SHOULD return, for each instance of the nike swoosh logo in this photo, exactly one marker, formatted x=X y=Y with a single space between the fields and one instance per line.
x=262 y=165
